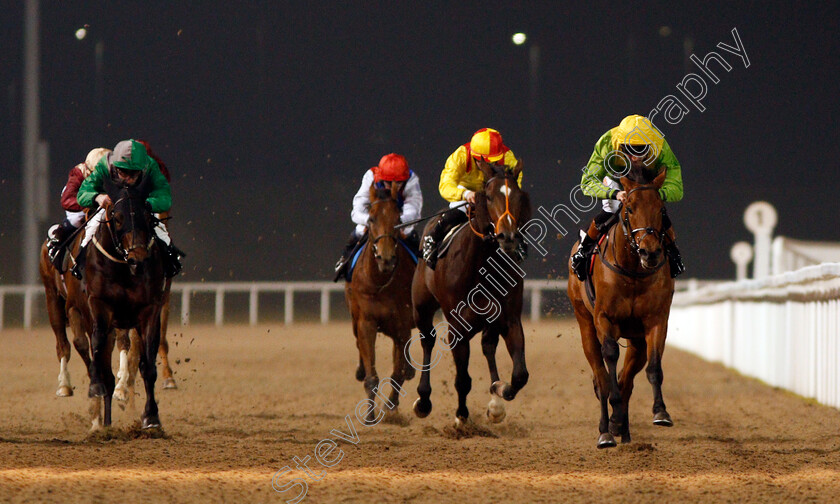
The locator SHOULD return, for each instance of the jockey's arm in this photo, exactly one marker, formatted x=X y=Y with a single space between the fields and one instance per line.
x=672 y=187
x=361 y=201
x=591 y=182
x=453 y=172
x=160 y=197
x=413 y=199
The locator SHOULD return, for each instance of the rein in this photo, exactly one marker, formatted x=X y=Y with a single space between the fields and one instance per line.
x=630 y=235
x=489 y=235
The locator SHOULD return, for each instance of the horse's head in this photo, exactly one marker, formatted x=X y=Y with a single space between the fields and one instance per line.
x=641 y=217
x=502 y=206
x=383 y=216
x=129 y=221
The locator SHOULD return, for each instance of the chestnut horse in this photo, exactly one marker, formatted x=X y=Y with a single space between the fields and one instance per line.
x=125 y=289
x=379 y=295
x=478 y=285
x=633 y=291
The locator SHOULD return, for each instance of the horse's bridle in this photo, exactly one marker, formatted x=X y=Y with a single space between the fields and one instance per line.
x=491 y=235
x=629 y=232
x=392 y=235
x=117 y=244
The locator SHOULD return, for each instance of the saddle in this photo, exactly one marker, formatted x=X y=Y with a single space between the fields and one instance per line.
x=449 y=237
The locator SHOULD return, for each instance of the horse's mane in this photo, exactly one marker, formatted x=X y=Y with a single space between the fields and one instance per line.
x=641 y=175
x=383 y=193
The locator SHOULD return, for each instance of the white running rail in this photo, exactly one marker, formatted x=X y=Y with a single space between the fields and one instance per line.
x=783 y=329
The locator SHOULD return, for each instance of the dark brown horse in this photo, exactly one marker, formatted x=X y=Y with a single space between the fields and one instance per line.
x=379 y=294
x=67 y=305
x=633 y=289
x=478 y=285
x=125 y=288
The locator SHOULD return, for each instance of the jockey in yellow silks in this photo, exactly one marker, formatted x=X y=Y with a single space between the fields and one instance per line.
x=459 y=181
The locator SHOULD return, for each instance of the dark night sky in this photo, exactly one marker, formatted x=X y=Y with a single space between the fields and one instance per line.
x=268 y=113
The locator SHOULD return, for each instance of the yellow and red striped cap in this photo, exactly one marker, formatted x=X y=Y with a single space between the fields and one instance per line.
x=487 y=143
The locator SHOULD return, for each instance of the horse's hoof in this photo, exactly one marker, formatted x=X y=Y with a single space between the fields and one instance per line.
x=495 y=410
x=120 y=394
x=460 y=422
x=625 y=438
x=151 y=422
x=495 y=417
x=422 y=408
x=64 y=391
x=360 y=373
x=169 y=383
x=663 y=419
x=97 y=390
x=606 y=440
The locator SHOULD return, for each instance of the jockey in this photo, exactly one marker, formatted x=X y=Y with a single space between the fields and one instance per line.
x=638 y=141
x=391 y=168
x=74 y=214
x=127 y=164
x=459 y=181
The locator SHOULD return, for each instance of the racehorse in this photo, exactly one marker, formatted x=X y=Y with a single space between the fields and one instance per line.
x=125 y=289
x=479 y=286
x=379 y=295
x=633 y=290
x=66 y=304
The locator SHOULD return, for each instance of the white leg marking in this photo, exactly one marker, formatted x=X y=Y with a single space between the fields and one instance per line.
x=496 y=409
x=64 y=387
x=121 y=390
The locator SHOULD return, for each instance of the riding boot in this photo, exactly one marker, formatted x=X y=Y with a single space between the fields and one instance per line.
x=79 y=267
x=431 y=241
x=579 y=259
x=172 y=260
x=674 y=259
x=58 y=235
x=341 y=265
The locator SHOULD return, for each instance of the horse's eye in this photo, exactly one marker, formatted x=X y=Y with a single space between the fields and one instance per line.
x=629 y=210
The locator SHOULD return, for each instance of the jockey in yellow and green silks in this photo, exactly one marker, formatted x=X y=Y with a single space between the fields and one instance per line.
x=635 y=139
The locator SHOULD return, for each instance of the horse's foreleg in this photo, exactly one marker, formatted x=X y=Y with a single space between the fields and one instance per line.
x=463 y=381
x=634 y=361
x=100 y=358
x=366 y=337
x=515 y=342
x=163 y=351
x=656 y=346
x=58 y=322
x=150 y=329
x=592 y=351
x=428 y=336
x=123 y=348
x=108 y=378
x=401 y=367
x=80 y=337
x=496 y=407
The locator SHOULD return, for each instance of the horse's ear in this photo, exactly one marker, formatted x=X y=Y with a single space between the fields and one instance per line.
x=145 y=186
x=660 y=179
x=485 y=167
x=517 y=169
x=109 y=185
x=395 y=190
x=372 y=193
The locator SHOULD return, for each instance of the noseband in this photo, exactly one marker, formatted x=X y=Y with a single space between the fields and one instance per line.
x=630 y=232
x=491 y=235
x=117 y=244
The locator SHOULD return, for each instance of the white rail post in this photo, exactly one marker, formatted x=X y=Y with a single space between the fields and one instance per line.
x=27 y=309
x=741 y=254
x=325 y=305
x=220 y=306
x=536 y=303
x=185 y=307
x=253 y=306
x=761 y=218
x=288 y=302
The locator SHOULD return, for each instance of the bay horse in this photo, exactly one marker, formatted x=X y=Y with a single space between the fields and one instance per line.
x=125 y=289
x=463 y=285
x=379 y=295
x=633 y=291
x=67 y=305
